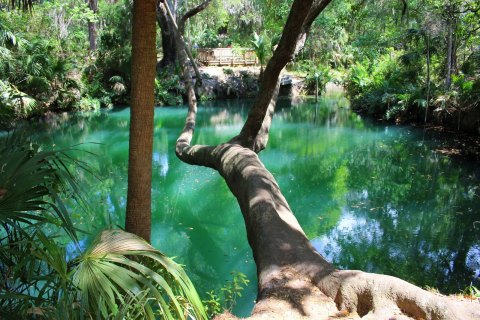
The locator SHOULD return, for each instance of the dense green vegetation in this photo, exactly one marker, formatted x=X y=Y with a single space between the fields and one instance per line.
x=46 y=63
x=415 y=60
x=47 y=272
x=405 y=58
x=395 y=58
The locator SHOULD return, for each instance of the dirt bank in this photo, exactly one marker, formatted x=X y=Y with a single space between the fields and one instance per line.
x=242 y=82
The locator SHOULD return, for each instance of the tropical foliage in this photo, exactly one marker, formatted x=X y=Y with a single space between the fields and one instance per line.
x=121 y=275
x=45 y=270
x=260 y=46
x=398 y=60
x=412 y=60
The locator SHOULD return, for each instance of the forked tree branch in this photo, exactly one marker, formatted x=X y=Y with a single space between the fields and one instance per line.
x=190 y=13
x=179 y=30
x=254 y=133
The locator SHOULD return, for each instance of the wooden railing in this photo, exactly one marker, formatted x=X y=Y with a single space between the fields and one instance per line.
x=226 y=57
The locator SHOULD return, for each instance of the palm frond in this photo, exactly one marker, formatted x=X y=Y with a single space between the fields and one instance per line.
x=113 y=272
x=5 y=57
x=260 y=47
x=38 y=83
x=115 y=79
x=31 y=180
x=118 y=84
x=7 y=37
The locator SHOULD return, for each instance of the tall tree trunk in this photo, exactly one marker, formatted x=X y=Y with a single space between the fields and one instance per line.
x=454 y=63
x=138 y=215
x=169 y=43
x=448 y=67
x=92 y=26
x=428 y=77
x=451 y=61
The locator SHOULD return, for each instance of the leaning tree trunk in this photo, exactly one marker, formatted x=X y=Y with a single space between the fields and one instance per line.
x=169 y=43
x=294 y=280
x=172 y=32
x=179 y=30
x=138 y=215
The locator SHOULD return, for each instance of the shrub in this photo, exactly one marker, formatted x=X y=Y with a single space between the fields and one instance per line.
x=168 y=89
x=87 y=104
x=390 y=88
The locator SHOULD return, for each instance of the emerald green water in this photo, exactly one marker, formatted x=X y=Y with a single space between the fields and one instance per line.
x=370 y=197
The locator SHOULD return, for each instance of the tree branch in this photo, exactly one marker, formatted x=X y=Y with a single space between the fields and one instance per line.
x=318 y=7
x=195 y=155
x=182 y=44
x=254 y=133
x=190 y=13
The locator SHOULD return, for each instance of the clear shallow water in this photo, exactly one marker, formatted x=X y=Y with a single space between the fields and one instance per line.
x=370 y=197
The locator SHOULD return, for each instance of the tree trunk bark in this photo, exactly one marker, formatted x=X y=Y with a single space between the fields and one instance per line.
x=294 y=280
x=454 y=64
x=428 y=77
x=169 y=43
x=451 y=61
x=448 y=71
x=92 y=26
x=138 y=215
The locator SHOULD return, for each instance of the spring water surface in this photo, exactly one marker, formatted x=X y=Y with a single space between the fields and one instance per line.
x=371 y=197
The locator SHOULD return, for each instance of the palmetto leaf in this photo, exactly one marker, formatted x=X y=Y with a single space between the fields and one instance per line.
x=7 y=37
x=30 y=180
x=38 y=83
x=119 y=88
x=5 y=56
x=119 y=276
x=15 y=102
x=118 y=84
x=110 y=274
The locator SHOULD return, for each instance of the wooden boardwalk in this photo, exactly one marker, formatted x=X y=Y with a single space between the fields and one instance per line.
x=227 y=57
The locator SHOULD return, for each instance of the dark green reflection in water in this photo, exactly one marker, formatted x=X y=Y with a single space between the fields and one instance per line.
x=370 y=197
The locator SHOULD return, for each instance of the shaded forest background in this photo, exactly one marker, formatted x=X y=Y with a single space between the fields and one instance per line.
x=398 y=60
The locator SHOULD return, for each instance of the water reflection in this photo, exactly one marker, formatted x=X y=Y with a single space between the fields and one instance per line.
x=370 y=197
x=160 y=163
x=378 y=199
